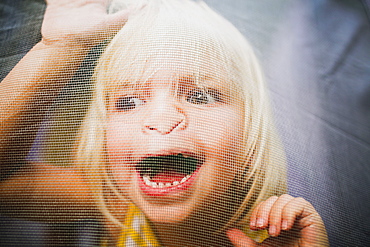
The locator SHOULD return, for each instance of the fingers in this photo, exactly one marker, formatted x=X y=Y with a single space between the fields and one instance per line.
x=276 y=221
x=239 y=239
x=298 y=207
x=260 y=215
x=280 y=213
x=291 y=215
x=81 y=22
x=301 y=212
x=301 y=215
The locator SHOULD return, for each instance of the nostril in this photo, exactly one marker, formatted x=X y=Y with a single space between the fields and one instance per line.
x=148 y=127
x=165 y=126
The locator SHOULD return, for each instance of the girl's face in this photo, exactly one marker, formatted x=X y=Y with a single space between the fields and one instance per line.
x=174 y=148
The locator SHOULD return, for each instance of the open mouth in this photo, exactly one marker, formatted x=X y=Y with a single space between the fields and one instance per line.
x=167 y=170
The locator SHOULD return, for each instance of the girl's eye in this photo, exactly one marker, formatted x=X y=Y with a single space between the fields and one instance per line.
x=203 y=96
x=128 y=103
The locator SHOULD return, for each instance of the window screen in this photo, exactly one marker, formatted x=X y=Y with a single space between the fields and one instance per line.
x=184 y=123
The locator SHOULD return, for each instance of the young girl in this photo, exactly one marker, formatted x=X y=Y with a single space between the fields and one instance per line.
x=177 y=148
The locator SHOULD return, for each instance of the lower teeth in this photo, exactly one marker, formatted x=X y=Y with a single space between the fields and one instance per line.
x=164 y=185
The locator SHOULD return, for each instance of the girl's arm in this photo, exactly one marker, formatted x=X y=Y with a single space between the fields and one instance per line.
x=48 y=193
x=27 y=92
x=70 y=29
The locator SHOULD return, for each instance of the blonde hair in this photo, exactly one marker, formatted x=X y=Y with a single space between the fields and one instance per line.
x=192 y=33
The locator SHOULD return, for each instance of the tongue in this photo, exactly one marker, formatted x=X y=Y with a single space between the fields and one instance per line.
x=168 y=177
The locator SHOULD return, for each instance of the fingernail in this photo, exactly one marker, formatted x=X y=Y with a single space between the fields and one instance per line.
x=284 y=225
x=253 y=223
x=259 y=222
x=272 y=230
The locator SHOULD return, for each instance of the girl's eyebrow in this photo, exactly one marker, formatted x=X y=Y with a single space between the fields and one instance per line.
x=180 y=83
x=184 y=83
x=195 y=80
x=205 y=81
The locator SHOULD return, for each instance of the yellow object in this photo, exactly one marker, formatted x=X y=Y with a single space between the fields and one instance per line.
x=258 y=236
x=137 y=230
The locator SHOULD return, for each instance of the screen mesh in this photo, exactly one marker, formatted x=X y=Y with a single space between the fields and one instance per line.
x=152 y=123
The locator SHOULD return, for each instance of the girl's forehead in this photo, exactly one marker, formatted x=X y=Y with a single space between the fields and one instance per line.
x=177 y=80
x=180 y=66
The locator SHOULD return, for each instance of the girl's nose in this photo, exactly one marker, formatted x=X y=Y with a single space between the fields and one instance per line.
x=164 y=118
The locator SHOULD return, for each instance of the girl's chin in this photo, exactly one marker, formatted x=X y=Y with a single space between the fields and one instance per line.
x=167 y=214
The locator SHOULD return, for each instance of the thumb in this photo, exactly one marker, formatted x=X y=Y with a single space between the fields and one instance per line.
x=239 y=239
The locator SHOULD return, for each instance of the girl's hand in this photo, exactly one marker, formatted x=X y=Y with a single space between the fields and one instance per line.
x=80 y=22
x=290 y=222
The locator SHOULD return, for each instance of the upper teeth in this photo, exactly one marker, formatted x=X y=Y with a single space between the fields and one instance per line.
x=164 y=185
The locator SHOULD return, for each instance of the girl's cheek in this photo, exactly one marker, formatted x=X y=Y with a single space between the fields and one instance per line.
x=115 y=146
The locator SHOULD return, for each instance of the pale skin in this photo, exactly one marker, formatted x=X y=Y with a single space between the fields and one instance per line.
x=290 y=222
x=70 y=29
